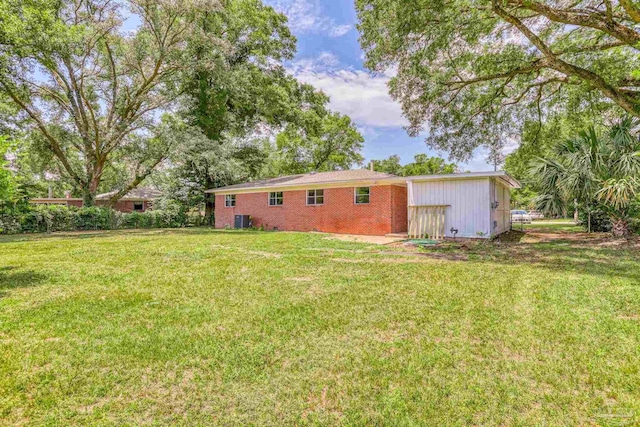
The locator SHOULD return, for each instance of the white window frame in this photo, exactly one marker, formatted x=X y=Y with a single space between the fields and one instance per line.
x=315 y=197
x=229 y=198
x=141 y=208
x=355 y=196
x=273 y=196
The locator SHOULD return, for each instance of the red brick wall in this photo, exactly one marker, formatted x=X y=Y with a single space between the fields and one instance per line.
x=399 y=212
x=125 y=206
x=339 y=214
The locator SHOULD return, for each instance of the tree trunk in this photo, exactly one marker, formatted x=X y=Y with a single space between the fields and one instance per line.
x=620 y=227
x=88 y=197
x=94 y=172
x=209 y=209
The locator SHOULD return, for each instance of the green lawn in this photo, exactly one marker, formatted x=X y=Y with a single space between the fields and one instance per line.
x=203 y=327
x=552 y=225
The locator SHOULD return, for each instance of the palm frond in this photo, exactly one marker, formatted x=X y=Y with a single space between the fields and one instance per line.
x=618 y=193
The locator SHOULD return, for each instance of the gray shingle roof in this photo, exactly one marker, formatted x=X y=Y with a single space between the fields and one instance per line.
x=309 y=178
x=140 y=193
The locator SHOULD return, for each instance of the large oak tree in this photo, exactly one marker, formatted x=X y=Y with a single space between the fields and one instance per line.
x=473 y=71
x=93 y=90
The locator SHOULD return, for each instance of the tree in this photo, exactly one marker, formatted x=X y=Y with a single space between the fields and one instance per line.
x=477 y=70
x=326 y=141
x=7 y=181
x=248 y=84
x=422 y=165
x=538 y=141
x=200 y=164
x=390 y=165
x=98 y=91
x=594 y=169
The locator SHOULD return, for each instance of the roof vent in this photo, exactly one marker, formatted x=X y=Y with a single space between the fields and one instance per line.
x=312 y=173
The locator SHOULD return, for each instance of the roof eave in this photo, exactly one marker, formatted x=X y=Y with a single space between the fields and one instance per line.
x=325 y=184
x=503 y=176
x=392 y=180
x=54 y=199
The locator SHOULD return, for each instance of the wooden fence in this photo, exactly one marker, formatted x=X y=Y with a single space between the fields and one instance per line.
x=427 y=221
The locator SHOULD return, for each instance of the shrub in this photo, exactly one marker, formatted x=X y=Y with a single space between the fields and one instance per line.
x=171 y=215
x=44 y=218
x=60 y=218
x=600 y=221
x=9 y=224
x=36 y=220
x=94 y=218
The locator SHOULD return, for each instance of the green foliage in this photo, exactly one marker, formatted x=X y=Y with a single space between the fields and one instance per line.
x=597 y=169
x=597 y=220
x=240 y=97
x=474 y=72
x=331 y=142
x=99 y=91
x=422 y=165
x=52 y=218
x=524 y=198
x=7 y=182
x=233 y=90
x=537 y=140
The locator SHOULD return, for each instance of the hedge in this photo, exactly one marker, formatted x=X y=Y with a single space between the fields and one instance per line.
x=49 y=218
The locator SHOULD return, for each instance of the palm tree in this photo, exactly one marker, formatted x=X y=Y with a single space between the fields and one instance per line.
x=595 y=169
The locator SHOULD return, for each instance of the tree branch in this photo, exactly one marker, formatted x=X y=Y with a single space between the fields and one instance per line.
x=582 y=18
x=628 y=104
x=536 y=65
x=631 y=9
x=53 y=142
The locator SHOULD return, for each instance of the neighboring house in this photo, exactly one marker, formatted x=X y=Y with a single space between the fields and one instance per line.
x=64 y=201
x=136 y=200
x=476 y=204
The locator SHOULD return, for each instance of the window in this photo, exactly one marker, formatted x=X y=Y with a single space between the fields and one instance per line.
x=362 y=195
x=315 y=197
x=275 y=198
x=230 y=200
x=138 y=206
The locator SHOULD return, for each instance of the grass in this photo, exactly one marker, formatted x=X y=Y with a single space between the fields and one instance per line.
x=203 y=327
x=551 y=225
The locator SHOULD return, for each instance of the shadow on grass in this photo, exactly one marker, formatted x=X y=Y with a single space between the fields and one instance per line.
x=10 y=278
x=91 y=234
x=562 y=252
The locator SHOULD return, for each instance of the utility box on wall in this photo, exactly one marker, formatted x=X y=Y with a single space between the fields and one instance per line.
x=242 y=221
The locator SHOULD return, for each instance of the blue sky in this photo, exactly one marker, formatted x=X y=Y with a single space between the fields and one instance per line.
x=329 y=57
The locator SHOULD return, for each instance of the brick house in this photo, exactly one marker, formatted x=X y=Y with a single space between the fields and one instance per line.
x=372 y=203
x=136 y=200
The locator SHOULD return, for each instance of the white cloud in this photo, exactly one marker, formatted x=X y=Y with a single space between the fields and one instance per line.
x=339 y=30
x=323 y=62
x=358 y=94
x=306 y=16
x=368 y=131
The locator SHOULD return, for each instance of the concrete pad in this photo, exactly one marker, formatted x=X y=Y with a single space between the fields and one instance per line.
x=376 y=240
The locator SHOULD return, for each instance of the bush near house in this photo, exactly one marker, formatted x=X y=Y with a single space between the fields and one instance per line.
x=50 y=218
